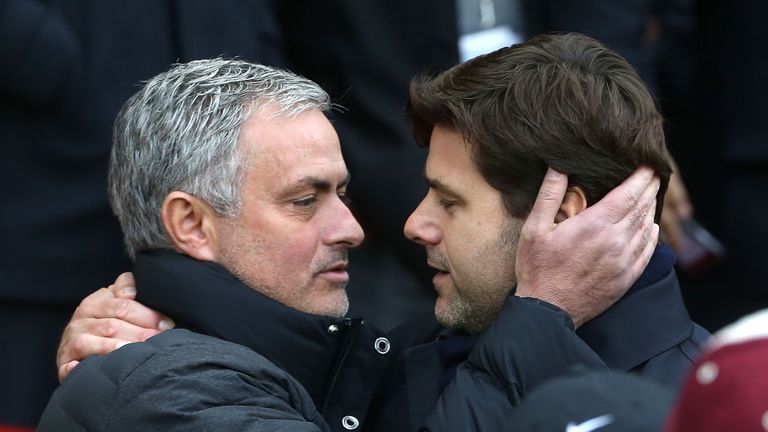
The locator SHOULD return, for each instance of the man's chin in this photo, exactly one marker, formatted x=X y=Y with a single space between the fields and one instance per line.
x=458 y=316
x=336 y=305
x=446 y=314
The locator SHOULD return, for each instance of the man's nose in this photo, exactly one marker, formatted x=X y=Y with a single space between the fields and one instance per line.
x=421 y=228
x=346 y=228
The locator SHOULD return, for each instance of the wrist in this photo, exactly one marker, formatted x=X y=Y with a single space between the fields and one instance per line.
x=555 y=308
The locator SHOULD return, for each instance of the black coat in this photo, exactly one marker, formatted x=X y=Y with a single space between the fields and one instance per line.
x=181 y=380
x=269 y=367
x=529 y=342
x=647 y=332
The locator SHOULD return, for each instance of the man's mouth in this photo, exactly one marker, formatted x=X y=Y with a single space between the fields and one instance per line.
x=336 y=273
x=437 y=267
x=440 y=275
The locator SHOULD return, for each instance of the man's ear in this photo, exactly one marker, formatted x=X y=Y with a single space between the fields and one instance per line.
x=574 y=202
x=189 y=222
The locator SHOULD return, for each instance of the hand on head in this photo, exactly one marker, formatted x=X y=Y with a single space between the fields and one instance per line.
x=588 y=261
x=106 y=320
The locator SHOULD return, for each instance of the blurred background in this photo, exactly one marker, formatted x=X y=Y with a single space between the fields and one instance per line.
x=67 y=67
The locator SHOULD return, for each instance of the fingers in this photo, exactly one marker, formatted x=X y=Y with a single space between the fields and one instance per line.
x=124 y=286
x=622 y=200
x=137 y=314
x=636 y=230
x=548 y=201
x=85 y=345
x=66 y=368
x=102 y=304
x=104 y=321
x=648 y=244
x=113 y=328
x=642 y=239
x=91 y=305
x=645 y=206
x=97 y=336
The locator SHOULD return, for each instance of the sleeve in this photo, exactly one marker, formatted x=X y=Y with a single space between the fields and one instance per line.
x=529 y=342
x=182 y=388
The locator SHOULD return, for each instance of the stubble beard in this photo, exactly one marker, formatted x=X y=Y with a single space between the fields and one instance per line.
x=472 y=304
x=471 y=315
x=231 y=260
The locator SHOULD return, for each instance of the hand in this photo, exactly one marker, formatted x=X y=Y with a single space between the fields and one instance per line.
x=105 y=321
x=587 y=262
x=677 y=207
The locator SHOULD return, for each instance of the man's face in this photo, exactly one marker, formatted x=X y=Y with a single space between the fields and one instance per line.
x=291 y=238
x=469 y=236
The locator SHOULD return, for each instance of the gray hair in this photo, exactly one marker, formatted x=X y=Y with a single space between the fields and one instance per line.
x=181 y=132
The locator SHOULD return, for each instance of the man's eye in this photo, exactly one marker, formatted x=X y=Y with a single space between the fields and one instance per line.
x=305 y=202
x=345 y=198
x=446 y=204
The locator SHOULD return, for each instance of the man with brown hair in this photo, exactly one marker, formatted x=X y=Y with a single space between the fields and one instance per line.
x=493 y=125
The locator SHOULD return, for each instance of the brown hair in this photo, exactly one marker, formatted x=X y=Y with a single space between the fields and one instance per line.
x=564 y=101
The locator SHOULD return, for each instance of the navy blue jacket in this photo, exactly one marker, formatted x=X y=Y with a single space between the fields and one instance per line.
x=648 y=331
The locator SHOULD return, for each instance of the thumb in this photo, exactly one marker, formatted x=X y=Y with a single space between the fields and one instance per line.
x=66 y=368
x=124 y=286
x=548 y=200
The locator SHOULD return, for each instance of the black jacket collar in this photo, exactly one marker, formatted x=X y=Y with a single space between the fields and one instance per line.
x=649 y=319
x=206 y=298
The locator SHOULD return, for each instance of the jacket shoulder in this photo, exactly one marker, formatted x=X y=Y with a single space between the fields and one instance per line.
x=180 y=380
x=669 y=367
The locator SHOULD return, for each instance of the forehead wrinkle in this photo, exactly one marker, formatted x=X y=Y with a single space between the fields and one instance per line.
x=320 y=183
x=317 y=183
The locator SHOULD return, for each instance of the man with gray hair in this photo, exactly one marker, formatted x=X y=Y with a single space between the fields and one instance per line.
x=229 y=185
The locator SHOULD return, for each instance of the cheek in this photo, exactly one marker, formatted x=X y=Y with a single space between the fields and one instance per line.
x=482 y=259
x=296 y=249
x=460 y=250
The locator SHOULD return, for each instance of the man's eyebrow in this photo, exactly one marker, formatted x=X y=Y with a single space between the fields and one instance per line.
x=441 y=187
x=317 y=183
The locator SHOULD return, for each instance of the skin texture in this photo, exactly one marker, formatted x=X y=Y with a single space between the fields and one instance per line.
x=469 y=237
x=291 y=238
x=615 y=240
